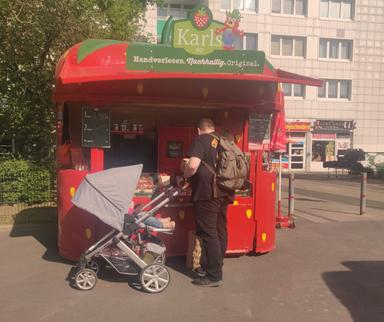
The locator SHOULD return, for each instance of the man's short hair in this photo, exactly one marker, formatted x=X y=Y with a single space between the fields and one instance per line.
x=206 y=124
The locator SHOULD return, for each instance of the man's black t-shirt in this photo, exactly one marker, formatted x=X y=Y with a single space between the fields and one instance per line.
x=205 y=148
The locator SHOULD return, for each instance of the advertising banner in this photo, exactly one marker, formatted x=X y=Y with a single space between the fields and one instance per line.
x=198 y=44
x=162 y=58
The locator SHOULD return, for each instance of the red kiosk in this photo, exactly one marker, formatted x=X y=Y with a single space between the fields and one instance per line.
x=120 y=103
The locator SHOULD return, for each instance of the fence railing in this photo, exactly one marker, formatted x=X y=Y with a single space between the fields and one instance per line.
x=7 y=147
x=28 y=197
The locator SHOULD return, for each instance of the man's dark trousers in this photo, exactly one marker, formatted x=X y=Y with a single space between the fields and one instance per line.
x=211 y=227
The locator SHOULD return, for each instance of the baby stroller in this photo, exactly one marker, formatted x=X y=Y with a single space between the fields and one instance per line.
x=130 y=248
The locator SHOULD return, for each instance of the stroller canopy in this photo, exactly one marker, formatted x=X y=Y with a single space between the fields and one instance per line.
x=108 y=194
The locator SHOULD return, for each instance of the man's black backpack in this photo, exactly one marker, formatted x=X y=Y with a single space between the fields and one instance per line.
x=232 y=166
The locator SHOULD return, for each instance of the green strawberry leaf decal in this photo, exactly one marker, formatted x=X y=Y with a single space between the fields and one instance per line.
x=90 y=45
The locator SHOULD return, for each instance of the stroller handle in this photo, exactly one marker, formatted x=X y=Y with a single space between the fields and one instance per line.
x=174 y=191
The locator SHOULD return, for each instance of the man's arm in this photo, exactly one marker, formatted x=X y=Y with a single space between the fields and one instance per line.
x=191 y=167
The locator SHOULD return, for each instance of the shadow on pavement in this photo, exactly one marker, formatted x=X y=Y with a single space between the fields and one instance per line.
x=310 y=199
x=355 y=213
x=178 y=264
x=360 y=290
x=33 y=214
x=46 y=235
x=108 y=274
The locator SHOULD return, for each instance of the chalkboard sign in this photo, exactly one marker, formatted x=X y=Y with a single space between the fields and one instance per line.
x=95 y=130
x=259 y=131
x=174 y=149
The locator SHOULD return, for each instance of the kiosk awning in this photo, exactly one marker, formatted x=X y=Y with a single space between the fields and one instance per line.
x=103 y=70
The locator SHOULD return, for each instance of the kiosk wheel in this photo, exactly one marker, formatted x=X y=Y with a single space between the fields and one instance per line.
x=154 y=278
x=85 y=279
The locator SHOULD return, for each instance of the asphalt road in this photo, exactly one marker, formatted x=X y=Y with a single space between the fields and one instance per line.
x=330 y=268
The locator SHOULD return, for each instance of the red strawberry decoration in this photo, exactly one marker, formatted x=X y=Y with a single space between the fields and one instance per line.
x=201 y=18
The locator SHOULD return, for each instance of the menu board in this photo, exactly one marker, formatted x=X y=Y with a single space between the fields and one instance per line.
x=174 y=149
x=259 y=131
x=95 y=130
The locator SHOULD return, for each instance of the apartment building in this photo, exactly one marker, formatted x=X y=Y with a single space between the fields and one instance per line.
x=339 y=41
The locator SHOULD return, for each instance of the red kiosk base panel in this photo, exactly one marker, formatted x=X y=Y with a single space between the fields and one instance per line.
x=250 y=228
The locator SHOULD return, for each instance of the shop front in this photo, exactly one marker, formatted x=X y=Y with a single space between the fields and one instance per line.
x=297 y=132
x=330 y=140
x=120 y=104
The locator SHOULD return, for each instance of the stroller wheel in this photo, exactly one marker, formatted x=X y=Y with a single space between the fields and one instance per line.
x=155 y=278
x=85 y=279
x=160 y=259
x=93 y=266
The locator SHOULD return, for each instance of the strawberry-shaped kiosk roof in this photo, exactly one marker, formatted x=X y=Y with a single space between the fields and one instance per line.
x=195 y=64
x=110 y=70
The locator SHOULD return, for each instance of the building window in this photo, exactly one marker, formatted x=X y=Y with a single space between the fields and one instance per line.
x=242 y=5
x=248 y=42
x=288 y=46
x=176 y=10
x=323 y=149
x=337 y=9
x=294 y=90
x=336 y=89
x=290 y=7
x=335 y=49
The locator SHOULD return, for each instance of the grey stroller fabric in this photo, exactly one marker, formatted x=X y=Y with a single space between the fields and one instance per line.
x=108 y=194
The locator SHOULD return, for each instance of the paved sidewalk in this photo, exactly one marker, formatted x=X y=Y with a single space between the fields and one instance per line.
x=330 y=268
x=322 y=199
x=319 y=272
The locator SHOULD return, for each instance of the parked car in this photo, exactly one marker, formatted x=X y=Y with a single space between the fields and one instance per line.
x=351 y=161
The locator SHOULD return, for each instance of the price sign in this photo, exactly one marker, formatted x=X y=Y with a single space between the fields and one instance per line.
x=259 y=131
x=95 y=131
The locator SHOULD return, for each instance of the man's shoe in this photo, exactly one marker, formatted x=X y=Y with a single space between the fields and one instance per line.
x=204 y=281
x=200 y=272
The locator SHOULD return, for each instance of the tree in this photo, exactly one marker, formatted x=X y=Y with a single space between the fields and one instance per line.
x=33 y=35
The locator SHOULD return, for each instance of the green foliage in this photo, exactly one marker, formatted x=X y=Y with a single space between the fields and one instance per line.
x=380 y=170
x=34 y=34
x=23 y=182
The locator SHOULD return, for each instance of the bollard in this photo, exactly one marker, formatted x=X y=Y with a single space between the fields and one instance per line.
x=363 y=193
x=291 y=198
x=279 y=190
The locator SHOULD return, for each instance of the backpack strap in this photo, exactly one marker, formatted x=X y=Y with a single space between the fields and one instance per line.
x=214 y=182
x=215 y=136
x=212 y=170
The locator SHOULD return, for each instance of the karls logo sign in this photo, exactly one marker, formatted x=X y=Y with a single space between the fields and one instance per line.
x=201 y=35
x=198 y=44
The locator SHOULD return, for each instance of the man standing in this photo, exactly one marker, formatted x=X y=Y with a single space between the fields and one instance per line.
x=209 y=203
